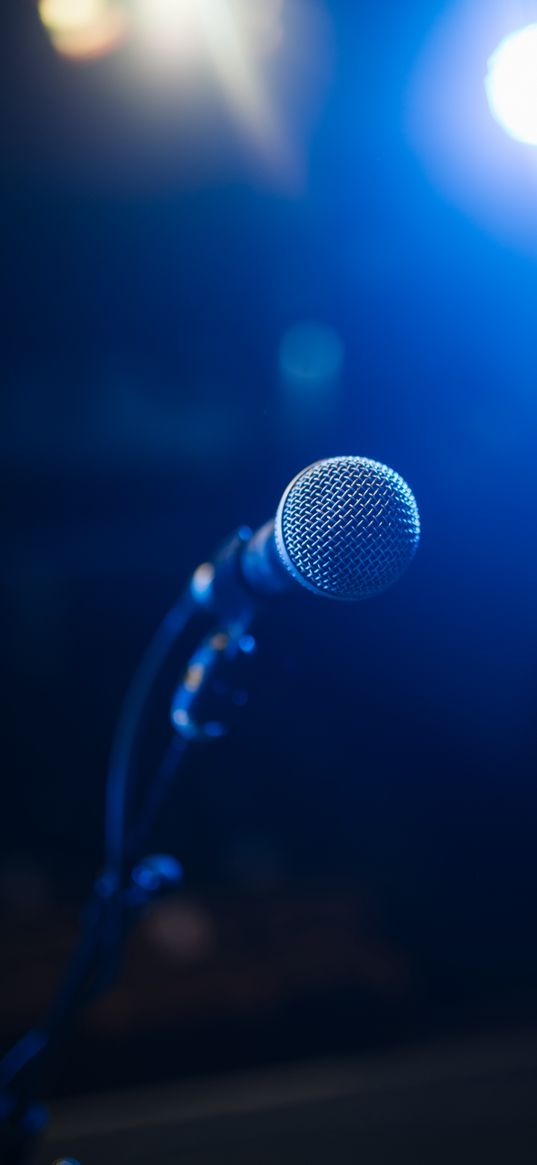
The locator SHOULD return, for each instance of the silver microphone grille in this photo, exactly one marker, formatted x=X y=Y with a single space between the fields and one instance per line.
x=347 y=527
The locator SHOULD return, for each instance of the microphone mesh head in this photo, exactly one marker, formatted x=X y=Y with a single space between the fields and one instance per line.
x=347 y=527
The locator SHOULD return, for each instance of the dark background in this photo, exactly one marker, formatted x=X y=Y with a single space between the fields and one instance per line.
x=153 y=260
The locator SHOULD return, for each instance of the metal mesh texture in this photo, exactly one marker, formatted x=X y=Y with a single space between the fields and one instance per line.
x=347 y=527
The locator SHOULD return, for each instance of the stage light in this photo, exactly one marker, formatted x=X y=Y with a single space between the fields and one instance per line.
x=83 y=29
x=450 y=98
x=511 y=84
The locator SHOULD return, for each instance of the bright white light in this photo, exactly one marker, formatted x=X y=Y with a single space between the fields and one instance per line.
x=511 y=84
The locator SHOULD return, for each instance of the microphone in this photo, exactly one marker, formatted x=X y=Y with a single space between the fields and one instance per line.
x=346 y=528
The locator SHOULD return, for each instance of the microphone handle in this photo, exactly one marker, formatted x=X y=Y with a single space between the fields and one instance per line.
x=245 y=573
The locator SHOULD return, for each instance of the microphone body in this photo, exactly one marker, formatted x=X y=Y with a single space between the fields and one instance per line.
x=261 y=567
x=346 y=528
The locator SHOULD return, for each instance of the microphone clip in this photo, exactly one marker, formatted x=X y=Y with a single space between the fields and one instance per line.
x=212 y=687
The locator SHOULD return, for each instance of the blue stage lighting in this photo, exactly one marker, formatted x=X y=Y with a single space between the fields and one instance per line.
x=511 y=84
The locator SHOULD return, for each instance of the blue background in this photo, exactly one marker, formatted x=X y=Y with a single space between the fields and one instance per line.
x=148 y=280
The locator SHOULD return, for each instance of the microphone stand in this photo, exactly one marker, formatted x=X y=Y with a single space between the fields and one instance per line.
x=129 y=883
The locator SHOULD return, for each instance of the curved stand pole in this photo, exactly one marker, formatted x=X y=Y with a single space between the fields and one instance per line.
x=116 y=901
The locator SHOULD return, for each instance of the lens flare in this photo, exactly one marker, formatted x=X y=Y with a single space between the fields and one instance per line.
x=511 y=84
x=310 y=356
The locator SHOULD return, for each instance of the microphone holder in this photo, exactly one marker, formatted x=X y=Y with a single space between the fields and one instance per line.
x=129 y=883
